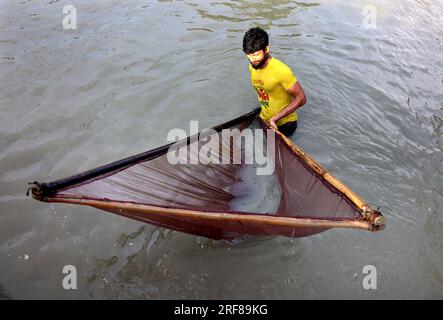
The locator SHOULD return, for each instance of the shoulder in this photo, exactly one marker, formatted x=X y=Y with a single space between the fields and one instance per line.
x=280 y=66
x=284 y=74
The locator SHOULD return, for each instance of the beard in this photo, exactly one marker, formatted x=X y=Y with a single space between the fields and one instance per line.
x=261 y=63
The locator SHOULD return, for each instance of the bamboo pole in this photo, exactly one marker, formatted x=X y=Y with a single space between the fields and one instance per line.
x=218 y=216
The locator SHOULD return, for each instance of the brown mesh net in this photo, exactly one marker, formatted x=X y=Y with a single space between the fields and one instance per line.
x=197 y=197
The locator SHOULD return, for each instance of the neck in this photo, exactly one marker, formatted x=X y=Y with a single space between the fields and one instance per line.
x=267 y=62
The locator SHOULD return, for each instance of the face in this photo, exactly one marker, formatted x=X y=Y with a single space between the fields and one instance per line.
x=257 y=59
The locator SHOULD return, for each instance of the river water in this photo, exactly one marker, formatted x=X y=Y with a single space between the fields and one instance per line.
x=71 y=100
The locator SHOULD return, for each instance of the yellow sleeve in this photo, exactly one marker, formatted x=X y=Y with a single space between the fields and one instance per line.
x=286 y=77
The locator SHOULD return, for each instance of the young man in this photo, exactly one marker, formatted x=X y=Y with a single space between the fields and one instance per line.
x=279 y=92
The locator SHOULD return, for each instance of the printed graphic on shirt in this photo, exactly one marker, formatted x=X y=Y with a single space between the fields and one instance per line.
x=263 y=97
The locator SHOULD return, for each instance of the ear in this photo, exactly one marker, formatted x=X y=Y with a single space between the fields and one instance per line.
x=267 y=49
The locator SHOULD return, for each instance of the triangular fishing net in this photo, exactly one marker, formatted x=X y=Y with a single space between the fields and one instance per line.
x=194 y=194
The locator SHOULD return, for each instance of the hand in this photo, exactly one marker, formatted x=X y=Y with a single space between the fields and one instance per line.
x=273 y=124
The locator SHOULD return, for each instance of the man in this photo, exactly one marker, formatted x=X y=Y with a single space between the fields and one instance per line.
x=279 y=92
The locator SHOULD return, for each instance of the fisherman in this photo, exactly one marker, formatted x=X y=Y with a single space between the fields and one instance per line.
x=279 y=91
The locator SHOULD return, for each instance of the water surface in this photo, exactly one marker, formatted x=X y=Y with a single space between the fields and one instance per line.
x=71 y=100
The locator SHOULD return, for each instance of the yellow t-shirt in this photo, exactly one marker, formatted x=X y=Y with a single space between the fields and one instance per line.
x=271 y=84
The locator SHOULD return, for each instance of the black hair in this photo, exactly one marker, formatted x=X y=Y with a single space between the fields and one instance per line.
x=255 y=39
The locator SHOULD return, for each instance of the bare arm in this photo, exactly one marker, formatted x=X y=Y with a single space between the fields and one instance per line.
x=299 y=99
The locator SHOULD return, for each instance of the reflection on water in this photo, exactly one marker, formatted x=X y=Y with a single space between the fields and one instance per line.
x=73 y=100
x=3 y=294
x=264 y=12
x=153 y=271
